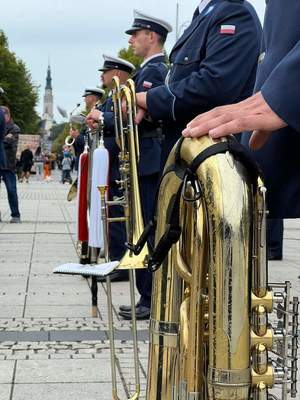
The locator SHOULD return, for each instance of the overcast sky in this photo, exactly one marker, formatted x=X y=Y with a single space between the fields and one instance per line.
x=74 y=34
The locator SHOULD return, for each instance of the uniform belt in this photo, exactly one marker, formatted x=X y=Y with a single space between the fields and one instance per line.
x=155 y=134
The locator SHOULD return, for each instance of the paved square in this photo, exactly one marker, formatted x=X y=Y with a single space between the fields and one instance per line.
x=50 y=346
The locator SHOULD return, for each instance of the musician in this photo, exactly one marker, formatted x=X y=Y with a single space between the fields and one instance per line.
x=147 y=37
x=92 y=96
x=112 y=66
x=273 y=114
x=213 y=63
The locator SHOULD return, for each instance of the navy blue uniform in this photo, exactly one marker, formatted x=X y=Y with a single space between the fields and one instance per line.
x=117 y=231
x=150 y=75
x=212 y=64
x=278 y=79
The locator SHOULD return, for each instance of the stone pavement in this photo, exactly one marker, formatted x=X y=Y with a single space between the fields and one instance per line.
x=50 y=346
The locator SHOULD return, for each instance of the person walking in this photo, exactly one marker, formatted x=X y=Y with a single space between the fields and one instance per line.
x=26 y=162
x=66 y=167
x=8 y=167
x=39 y=163
x=47 y=168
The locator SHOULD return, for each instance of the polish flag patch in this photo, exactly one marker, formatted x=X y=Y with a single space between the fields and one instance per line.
x=147 y=84
x=227 y=29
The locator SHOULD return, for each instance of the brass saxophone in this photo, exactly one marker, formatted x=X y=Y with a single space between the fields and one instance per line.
x=210 y=331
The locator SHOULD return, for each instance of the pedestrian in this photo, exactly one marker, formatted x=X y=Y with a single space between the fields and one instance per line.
x=2 y=152
x=66 y=167
x=27 y=163
x=47 y=168
x=8 y=168
x=39 y=163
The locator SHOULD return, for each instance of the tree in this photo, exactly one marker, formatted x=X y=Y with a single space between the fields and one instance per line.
x=61 y=131
x=127 y=54
x=21 y=95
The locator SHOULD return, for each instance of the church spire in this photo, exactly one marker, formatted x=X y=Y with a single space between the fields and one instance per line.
x=49 y=79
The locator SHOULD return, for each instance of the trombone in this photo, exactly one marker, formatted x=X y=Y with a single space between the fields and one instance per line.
x=127 y=139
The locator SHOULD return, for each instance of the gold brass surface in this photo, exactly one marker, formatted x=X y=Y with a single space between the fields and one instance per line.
x=210 y=334
x=212 y=257
x=267 y=339
x=127 y=139
x=267 y=301
x=267 y=378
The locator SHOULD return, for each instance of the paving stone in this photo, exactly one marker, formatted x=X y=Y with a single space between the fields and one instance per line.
x=61 y=371
x=5 y=391
x=6 y=371
x=66 y=391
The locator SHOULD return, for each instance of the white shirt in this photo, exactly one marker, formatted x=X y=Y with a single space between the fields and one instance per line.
x=150 y=58
x=203 y=4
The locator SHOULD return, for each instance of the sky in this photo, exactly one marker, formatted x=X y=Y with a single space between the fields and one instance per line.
x=74 y=34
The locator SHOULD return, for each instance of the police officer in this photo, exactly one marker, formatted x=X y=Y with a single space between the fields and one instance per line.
x=147 y=37
x=273 y=112
x=213 y=63
x=113 y=66
x=92 y=96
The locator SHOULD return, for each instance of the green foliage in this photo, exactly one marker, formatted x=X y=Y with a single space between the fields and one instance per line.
x=59 y=133
x=21 y=94
x=127 y=54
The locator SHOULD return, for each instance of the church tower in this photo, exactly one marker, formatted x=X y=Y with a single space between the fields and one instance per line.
x=48 y=102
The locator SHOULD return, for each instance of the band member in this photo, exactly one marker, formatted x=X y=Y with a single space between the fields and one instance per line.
x=273 y=114
x=113 y=66
x=91 y=97
x=213 y=63
x=147 y=38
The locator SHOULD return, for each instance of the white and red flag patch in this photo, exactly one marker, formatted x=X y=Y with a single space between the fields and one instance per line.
x=147 y=84
x=227 y=29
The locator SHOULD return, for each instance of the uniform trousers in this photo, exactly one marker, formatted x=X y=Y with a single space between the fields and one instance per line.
x=117 y=230
x=148 y=188
x=275 y=237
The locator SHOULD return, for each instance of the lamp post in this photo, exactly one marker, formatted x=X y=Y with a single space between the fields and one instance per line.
x=181 y=26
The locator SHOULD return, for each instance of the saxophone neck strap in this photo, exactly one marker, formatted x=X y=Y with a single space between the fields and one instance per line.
x=187 y=173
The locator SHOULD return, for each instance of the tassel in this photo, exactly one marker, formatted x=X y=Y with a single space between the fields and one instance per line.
x=82 y=203
x=99 y=178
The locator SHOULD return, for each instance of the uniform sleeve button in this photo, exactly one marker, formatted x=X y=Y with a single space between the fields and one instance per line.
x=186 y=59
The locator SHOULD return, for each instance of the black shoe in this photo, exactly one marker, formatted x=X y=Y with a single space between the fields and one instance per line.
x=142 y=312
x=116 y=276
x=274 y=256
x=128 y=308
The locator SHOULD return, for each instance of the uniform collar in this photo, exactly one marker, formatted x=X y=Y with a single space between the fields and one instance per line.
x=203 y=5
x=151 y=58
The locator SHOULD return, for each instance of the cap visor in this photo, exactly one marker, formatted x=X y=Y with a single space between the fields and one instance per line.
x=132 y=30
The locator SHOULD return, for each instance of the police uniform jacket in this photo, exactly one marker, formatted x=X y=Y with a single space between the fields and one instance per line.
x=2 y=129
x=213 y=63
x=150 y=75
x=278 y=78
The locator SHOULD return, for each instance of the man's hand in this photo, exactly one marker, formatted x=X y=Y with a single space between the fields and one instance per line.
x=252 y=114
x=141 y=100
x=9 y=136
x=92 y=119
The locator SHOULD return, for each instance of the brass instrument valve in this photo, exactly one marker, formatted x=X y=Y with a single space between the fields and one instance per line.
x=266 y=301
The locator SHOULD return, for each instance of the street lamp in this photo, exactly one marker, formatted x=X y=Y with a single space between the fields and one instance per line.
x=184 y=25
